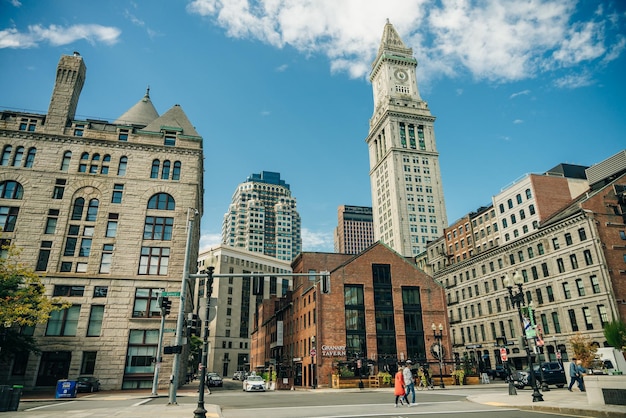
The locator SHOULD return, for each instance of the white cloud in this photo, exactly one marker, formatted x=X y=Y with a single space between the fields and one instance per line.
x=496 y=40
x=519 y=93
x=282 y=68
x=58 y=35
x=518 y=121
x=208 y=240
x=317 y=241
x=573 y=81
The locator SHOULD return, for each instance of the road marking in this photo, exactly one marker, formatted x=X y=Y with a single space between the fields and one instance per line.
x=142 y=402
x=48 y=406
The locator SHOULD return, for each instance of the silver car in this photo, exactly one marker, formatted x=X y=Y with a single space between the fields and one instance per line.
x=254 y=383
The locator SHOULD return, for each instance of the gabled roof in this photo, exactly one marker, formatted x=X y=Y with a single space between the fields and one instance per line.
x=391 y=42
x=141 y=114
x=174 y=118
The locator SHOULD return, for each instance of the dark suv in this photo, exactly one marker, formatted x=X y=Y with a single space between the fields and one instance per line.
x=553 y=374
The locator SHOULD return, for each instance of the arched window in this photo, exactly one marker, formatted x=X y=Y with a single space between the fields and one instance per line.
x=105 y=164
x=6 y=155
x=77 y=210
x=65 y=162
x=165 y=175
x=121 y=168
x=162 y=201
x=154 y=174
x=30 y=157
x=92 y=210
x=84 y=158
x=11 y=190
x=176 y=172
x=17 y=158
x=528 y=194
x=95 y=160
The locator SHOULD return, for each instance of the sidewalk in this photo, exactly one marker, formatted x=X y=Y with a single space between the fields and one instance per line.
x=559 y=401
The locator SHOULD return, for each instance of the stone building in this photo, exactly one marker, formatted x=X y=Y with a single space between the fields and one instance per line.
x=571 y=258
x=377 y=310
x=232 y=321
x=101 y=212
x=407 y=193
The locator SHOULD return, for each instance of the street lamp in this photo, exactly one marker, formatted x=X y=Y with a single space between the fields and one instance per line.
x=438 y=336
x=517 y=300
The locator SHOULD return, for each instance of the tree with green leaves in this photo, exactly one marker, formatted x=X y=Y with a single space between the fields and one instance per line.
x=22 y=303
x=615 y=334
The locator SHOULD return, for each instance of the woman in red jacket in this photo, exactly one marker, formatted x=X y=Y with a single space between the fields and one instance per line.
x=398 y=387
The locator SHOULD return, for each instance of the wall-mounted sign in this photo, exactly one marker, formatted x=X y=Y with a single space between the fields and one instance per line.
x=333 y=350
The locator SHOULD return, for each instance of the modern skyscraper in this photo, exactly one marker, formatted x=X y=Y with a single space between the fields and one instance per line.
x=407 y=194
x=263 y=218
x=354 y=232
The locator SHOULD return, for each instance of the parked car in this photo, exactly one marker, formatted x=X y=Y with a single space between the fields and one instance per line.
x=214 y=379
x=553 y=374
x=499 y=371
x=87 y=384
x=254 y=383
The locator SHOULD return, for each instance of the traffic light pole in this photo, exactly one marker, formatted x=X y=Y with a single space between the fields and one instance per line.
x=200 y=411
x=159 y=359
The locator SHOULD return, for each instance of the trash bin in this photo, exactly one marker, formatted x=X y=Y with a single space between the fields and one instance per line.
x=14 y=399
x=66 y=389
x=5 y=397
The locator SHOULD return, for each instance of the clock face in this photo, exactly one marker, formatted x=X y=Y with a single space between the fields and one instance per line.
x=401 y=75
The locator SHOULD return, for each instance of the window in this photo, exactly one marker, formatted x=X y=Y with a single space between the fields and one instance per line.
x=146 y=303
x=509 y=203
x=17 y=157
x=111 y=231
x=604 y=317
x=560 y=265
x=92 y=210
x=162 y=201
x=59 y=189
x=142 y=349
x=122 y=135
x=595 y=284
x=528 y=194
x=534 y=272
x=44 y=256
x=176 y=172
x=106 y=160
x=11 y=190
x=88 y=364
x=118 y=191
x=540 y=249
x=544 y=324
x=501 y=207
x=158 y=228
x=513 y=219
x=555 y=243
x=95 y=321
x=169 y=139
x=588 y=258
x=550 y=293
x=107 y=258
x=555 y=321
x=51 y=221
x=582 y=235
x=544 y=269
x=622 y=235
x=79 y=130
x=539 y=296
x=165 y=173
x=573 y=261
x=154 y=172
x=84 y=159
x=63 y=322
x=572 y=319
x=100 y=291
x=568 y=239
x=65 y=162
x=587 y=317
x=154 y=260
x=66 y=290
x=121 y=167
x=8 y=218
x=28 y=124
x=77 y=209
x=566 y=291
x=518 y=198
x=6 y=155
x=580 y=287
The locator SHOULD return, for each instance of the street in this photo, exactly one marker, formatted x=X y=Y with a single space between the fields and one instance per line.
x=235 y=403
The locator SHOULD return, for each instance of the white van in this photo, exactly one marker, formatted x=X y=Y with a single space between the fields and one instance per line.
x=612 y=359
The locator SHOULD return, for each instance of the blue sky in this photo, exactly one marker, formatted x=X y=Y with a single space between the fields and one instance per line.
x=517 y=86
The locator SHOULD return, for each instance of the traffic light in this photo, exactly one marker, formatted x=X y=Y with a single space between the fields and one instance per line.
x=325 y=282
x=166 y=305
x=193 y=325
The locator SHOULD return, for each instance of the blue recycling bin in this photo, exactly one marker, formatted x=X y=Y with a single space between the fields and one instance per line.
x=66 y=389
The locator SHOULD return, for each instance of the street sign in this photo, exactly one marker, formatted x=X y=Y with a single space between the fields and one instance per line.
x=313 y=352
x=177 y=294
x=503 y=356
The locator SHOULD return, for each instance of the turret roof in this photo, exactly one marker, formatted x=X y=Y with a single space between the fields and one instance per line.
x=141 y=114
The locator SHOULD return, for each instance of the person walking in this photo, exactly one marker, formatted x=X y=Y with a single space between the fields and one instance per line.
x=398 y=388
x=409 y=383
x=576 y=371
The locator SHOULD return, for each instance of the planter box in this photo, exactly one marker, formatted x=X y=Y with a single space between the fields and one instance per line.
x=605 y=390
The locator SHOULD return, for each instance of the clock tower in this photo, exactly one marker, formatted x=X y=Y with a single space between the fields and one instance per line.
x=408 y=206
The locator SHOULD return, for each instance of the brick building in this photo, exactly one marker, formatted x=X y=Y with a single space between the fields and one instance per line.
x=378 y=311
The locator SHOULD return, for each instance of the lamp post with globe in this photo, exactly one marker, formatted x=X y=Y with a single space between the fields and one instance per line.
x=438 y=336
